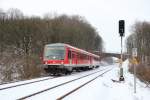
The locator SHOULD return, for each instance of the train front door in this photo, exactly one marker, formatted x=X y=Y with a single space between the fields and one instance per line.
x=74 y=58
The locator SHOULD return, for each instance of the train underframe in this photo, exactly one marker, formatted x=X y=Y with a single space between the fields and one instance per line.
x=57 y=70
x=60 y=69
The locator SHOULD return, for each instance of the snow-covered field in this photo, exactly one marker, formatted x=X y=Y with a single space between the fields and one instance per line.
x=21 y=91
x=103 y=88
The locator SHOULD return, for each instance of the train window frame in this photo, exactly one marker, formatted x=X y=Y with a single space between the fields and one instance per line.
x=48 y=48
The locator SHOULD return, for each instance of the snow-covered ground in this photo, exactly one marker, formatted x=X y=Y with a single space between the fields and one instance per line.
x=103 y=88
x=21 y=91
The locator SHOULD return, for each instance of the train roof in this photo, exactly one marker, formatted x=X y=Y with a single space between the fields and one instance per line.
x=56 y=44
x=74 y=48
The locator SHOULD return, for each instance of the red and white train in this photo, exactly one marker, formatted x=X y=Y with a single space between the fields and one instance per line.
x=63 y=58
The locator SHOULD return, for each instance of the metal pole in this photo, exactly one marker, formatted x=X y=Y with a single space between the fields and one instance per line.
x=121 y=50
x=134 y=78
x=134 y=55
x=121 y=68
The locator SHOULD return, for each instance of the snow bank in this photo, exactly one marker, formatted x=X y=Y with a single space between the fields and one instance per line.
x=102 y=88
x=105 y=89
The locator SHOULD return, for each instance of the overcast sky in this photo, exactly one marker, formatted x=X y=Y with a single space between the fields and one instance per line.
x=101 y=14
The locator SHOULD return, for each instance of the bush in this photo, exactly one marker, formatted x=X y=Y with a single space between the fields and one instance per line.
x=142 y=72
x=15 y=66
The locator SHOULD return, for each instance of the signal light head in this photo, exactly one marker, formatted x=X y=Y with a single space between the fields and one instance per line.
x=121 y=27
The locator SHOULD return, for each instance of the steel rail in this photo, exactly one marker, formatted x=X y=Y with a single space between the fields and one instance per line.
x=50 y=88
x=26 y=83
x=13 y=86
x=72 y=91
x=4 y=83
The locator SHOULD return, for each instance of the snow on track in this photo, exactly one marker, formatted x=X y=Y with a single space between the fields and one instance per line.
x=8 y=86
x=59 y=91
x=21 y=91
x=22 y=82
x=103 y=88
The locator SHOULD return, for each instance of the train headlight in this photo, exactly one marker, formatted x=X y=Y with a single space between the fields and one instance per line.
x=62 y=62
x=45 y=62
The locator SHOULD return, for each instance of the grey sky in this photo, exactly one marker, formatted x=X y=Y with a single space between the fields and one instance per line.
x=102 y=14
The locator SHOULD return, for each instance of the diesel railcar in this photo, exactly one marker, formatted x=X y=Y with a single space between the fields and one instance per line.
x=64 y=58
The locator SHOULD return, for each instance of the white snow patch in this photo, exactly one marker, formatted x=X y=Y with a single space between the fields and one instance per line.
x=104 y=89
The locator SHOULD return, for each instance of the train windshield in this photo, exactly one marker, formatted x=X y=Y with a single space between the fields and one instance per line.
x=54 y=52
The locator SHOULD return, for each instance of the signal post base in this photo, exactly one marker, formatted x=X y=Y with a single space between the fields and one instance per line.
x=121 y=78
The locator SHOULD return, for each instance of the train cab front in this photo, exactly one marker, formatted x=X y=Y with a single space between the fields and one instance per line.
x=53 y=59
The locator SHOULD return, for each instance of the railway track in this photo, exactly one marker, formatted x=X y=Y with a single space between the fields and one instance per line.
x=40 y=86
x=4 y=83
x=3 y=87
x=64 y=83
x=26 y=83
x=77 y=88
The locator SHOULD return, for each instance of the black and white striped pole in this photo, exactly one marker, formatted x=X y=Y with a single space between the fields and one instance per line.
x=121 y=32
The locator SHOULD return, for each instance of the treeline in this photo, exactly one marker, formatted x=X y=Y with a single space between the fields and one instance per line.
x=24 y=37
x=140 y=39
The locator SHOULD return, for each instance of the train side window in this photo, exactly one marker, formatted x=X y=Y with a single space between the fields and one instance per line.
x=69 y=54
